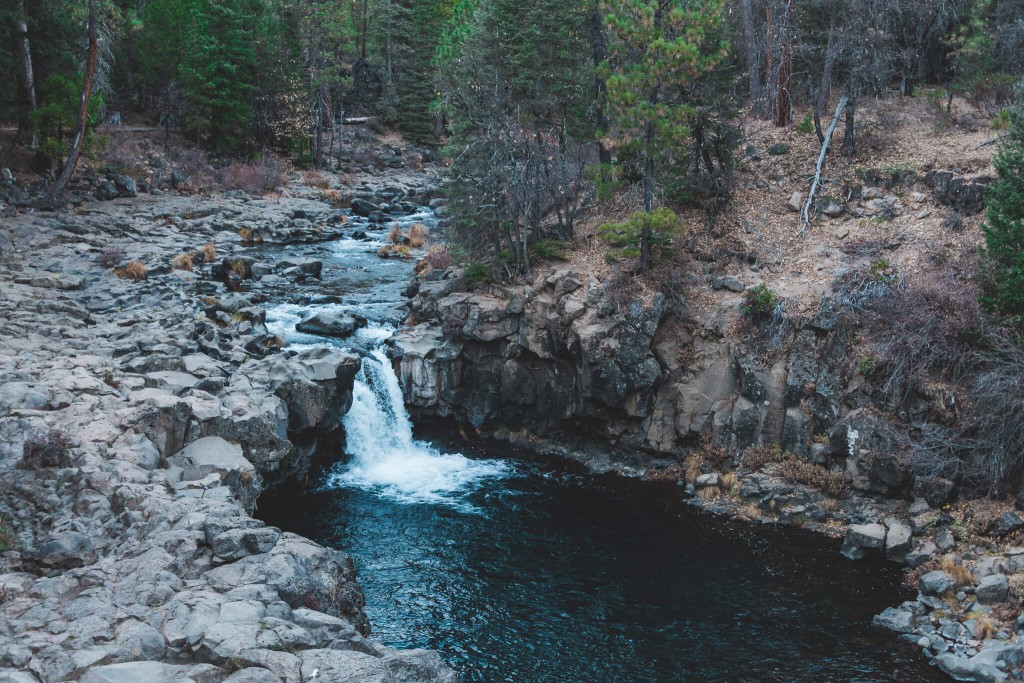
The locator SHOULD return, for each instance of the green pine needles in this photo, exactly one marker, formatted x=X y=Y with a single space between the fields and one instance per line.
x=1003 y=267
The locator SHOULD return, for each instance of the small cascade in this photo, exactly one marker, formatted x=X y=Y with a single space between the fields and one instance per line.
x=386 y=459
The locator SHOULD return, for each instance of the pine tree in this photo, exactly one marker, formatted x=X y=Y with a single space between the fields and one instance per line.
x=656 y=48
x=1004 y=230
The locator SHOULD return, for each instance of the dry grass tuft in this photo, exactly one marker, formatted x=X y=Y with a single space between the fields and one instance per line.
x=693 y=465
x=800 y=472
x=238 y=270
x=209 y=253
x=135 y=270
x=730 y=483
x=959 y=573
x=984 y=628
x=1017 y=587
x=830 y=505
x=395 y=236
x=417 y=235
x=752 y=511
x=316 y=179
x=340 y=199
x=183 y=262
x=709 y=493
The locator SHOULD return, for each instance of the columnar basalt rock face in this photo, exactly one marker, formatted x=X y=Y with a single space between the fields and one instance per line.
x=644 y=381
x=137 y=430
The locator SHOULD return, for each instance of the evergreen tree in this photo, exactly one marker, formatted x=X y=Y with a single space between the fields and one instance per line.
x=1004 y=229
x=656 y=48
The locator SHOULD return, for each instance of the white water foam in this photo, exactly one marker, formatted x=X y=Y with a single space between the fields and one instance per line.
x=386 y=459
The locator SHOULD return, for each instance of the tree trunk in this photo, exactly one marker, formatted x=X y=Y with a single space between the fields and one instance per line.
x=57 y=189
x=753 y=61
x=645 y=233
x=600 y=47
x=785 y=72
x=848 y=134
x=821 y=101
x=28 y=81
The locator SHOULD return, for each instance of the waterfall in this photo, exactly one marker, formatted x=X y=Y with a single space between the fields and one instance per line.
x=384 y=456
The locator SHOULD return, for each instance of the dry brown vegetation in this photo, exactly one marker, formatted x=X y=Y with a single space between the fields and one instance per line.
x=417 y=235
x=183 y=262
x=134 y=270
x=438 y=258
x=209 y=252
x=800 y=472
x=316 y=179
x=255 y=178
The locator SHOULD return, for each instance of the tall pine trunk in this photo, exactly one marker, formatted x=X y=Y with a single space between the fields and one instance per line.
x=28 y=81
x=57 y=189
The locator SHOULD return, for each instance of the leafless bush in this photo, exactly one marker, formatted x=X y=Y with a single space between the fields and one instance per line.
x=192 y=162
x=316 y=179
x=930 y=326
x=255 y=178
x=110 y=256
x=437 y=258
x=864 y=246
x=857 y=288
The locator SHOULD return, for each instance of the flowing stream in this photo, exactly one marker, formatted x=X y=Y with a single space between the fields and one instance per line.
x=523 y=571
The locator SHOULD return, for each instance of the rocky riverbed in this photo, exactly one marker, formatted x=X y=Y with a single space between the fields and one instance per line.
x=140 y=419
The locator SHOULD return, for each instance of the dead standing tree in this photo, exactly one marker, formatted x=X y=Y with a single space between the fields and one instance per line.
x=57 y=189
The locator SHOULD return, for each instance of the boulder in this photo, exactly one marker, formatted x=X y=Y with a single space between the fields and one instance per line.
x=212 y=455
x=361 y=207
x=1006 y=523
x=992 y=589
x=895 y=619
x=125 y=185
x=152 y=672
x=796 y=202
x=936 y=582
x=67 y=549
x=861 y=538
x=897 y=541
x=327 y=324
x=106 y=191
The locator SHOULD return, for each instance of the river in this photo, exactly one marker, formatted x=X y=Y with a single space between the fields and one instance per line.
x=521 y=570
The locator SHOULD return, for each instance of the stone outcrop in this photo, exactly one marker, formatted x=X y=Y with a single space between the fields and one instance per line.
x=139 y=422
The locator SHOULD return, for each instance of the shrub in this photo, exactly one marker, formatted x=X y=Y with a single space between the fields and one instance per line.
x=867 y=366
x=757 y=457
x=316 y=179
x=183 y=262
x=135 y=270
x=255 y=178
x=898 y=173
x=760 y=302
x=806 y=126
x=438 y=258
x=800 y=472
x=606 y=180
x=694 y=462
x=8 y=540
x=38 y=444
x=547 y=250
x=339 y=198
x=477 y=272
x=110 y=256
x=730 y=483
x=1001 y=121
x=626 y=236
x=959 y=573
x=883 y=271
x=752 y=511
x=417 y=235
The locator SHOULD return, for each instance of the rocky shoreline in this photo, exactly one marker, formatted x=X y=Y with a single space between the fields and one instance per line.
x=140 y=420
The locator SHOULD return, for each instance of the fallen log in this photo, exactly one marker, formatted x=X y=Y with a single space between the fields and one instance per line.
x=806 y=213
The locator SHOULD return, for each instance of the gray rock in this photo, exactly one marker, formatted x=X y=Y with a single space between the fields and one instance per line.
x=106 y=191
x=67 y=549
x=936 y=583
x=897 y=541
x=1007 y=523
x=707 y=480
x=895 y=619
x=988 y=666
x=153 y=672
x=992 y=589
x=238 y=543
x=330 y=325
x=125 y=185
x=861 y=538
x=361 y=207
x=253 y=674
x=796 y=202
